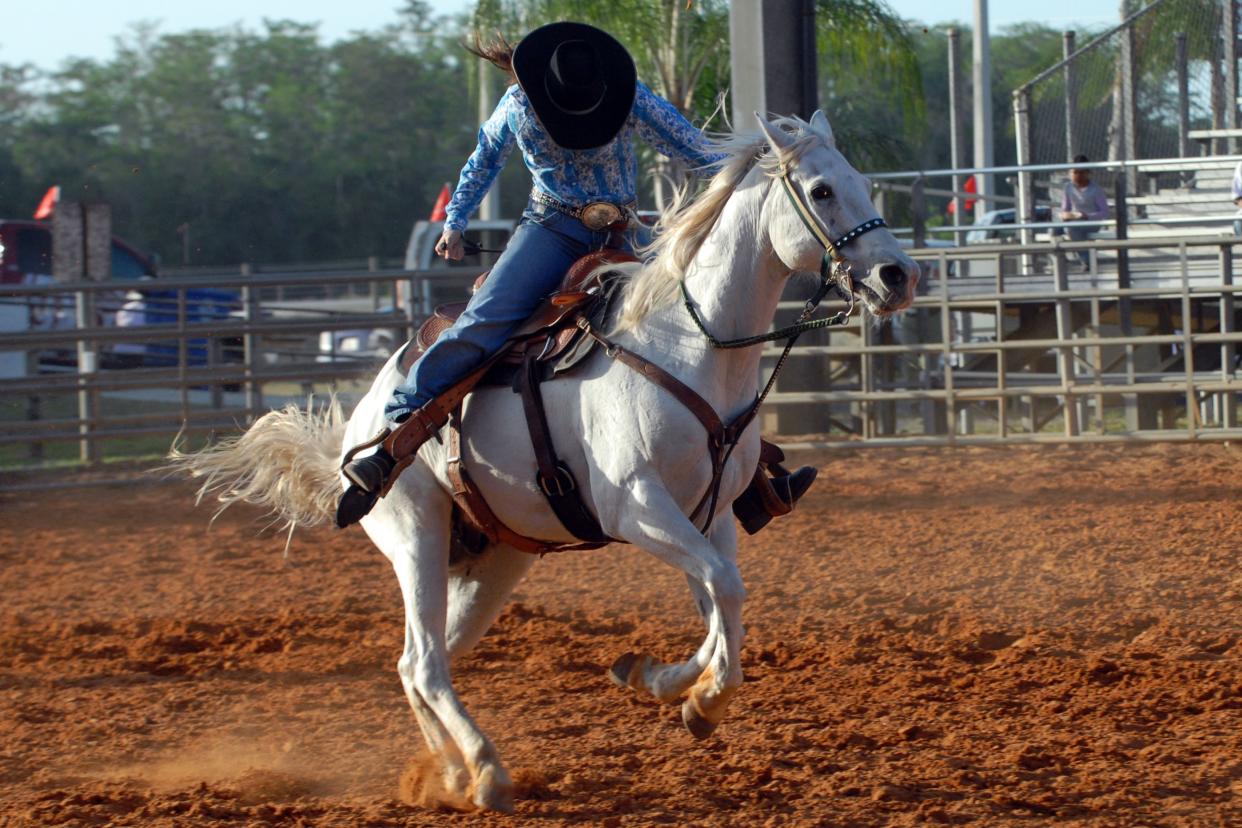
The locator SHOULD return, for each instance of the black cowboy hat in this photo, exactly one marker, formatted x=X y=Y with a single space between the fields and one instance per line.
x=579 y=80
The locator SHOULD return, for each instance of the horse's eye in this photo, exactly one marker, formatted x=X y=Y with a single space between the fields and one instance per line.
x=821 y=192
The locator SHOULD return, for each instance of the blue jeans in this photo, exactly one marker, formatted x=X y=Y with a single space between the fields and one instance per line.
x=539 y=253
x=1079 y=232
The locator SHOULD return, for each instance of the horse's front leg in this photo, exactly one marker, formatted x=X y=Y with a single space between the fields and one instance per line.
x=714 y=673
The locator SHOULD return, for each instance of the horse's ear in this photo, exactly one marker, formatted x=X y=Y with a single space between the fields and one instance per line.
x=777 y=137
x=819 y=123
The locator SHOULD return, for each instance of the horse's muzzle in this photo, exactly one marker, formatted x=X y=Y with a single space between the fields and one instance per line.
x=892 y=284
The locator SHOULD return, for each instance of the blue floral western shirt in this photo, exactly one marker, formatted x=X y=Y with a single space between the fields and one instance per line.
x=575 y=177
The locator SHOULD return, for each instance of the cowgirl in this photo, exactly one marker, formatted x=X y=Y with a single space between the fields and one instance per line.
x=574 y=112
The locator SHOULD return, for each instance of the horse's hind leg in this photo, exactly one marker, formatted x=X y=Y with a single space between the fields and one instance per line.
x=412 y=529
x=455 y=778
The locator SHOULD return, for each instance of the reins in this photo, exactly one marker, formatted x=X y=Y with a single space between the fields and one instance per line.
x=834 y=273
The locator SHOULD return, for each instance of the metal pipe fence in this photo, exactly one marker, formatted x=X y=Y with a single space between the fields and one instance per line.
x=1049 y=355
x=84 y=382
x=1004 y=343
x=1195 y=182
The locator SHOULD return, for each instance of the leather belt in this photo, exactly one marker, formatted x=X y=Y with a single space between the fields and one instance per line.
x=597 y=215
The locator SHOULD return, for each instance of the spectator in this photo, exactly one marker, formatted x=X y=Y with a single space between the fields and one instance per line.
x=135 y=312
x=1083 y=201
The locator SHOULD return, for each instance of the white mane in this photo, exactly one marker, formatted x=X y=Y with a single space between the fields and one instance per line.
x=685 y=225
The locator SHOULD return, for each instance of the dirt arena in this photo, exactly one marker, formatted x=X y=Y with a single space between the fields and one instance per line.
x=992 y=637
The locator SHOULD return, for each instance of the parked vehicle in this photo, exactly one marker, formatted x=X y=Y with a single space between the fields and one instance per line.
x=26 y=249
x=990 y=228
x=26 y=258
x=358 y=344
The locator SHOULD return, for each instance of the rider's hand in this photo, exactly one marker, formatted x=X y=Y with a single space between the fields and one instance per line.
x=449 y=246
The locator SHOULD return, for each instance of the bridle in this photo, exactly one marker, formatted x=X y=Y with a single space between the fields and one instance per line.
x=834 y=273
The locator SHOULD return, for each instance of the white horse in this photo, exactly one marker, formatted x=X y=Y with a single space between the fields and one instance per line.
x=639 y=455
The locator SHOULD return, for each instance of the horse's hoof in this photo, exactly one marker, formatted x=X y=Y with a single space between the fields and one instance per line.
x=497 y=800
x=492 y=793
x=619 y=672
x=699 y=727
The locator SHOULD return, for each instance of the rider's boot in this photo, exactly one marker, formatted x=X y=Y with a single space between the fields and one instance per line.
x=372 y=476
x=791 y=487
x=772 y=496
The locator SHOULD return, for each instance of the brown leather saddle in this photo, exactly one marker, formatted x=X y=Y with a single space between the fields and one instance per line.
x=554 y=322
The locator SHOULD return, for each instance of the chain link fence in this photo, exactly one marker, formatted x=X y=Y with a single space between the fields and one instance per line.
x=1139 y=90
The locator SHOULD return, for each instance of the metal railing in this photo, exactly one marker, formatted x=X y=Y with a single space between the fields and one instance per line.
x=1111 y=354
x=1004 y=343
x=1031 y=179
x=225 y=368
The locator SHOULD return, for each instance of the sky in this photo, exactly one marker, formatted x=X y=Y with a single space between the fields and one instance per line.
x=89 y=28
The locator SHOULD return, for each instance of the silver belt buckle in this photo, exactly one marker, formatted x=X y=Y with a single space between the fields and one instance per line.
x=600 y=214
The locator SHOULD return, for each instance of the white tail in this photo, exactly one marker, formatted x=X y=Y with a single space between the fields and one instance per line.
x=287 y=463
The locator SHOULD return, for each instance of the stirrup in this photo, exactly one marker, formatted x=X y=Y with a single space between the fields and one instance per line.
x=769 y=497
x=369 y=478
x=372 y=476
x=370 y=473
x=791 y=487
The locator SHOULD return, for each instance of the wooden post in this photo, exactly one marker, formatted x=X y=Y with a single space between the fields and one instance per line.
x=34 y=406
x=746 y=63
x=250 y=340
x=373 y=267
x=1133 y=403
x=789 y=88
x=789 y=80
x=489 y=208
x=1228 y=350
x=1129 y=109
x=72 y=244
x=918 y=210
x=1065 y=353
x=88 y=449
x=1026 y=191
x=97 y=242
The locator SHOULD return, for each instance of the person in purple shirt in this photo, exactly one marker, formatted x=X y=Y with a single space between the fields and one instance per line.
x=573 y=110
x=1083 y=201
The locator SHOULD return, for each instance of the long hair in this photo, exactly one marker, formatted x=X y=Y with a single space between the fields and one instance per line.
x=497 y=50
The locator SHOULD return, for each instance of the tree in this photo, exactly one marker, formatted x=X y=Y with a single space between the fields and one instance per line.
x=870 y=82
x=269 y=144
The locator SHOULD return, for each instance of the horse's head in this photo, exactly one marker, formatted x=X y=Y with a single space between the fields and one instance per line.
x=837 y=199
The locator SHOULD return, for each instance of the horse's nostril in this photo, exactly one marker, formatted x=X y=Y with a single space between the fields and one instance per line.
x=892 y=276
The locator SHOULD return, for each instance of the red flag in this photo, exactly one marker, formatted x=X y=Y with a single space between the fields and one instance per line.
x=48 y=204
x=438 y=212
x=969 y=187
